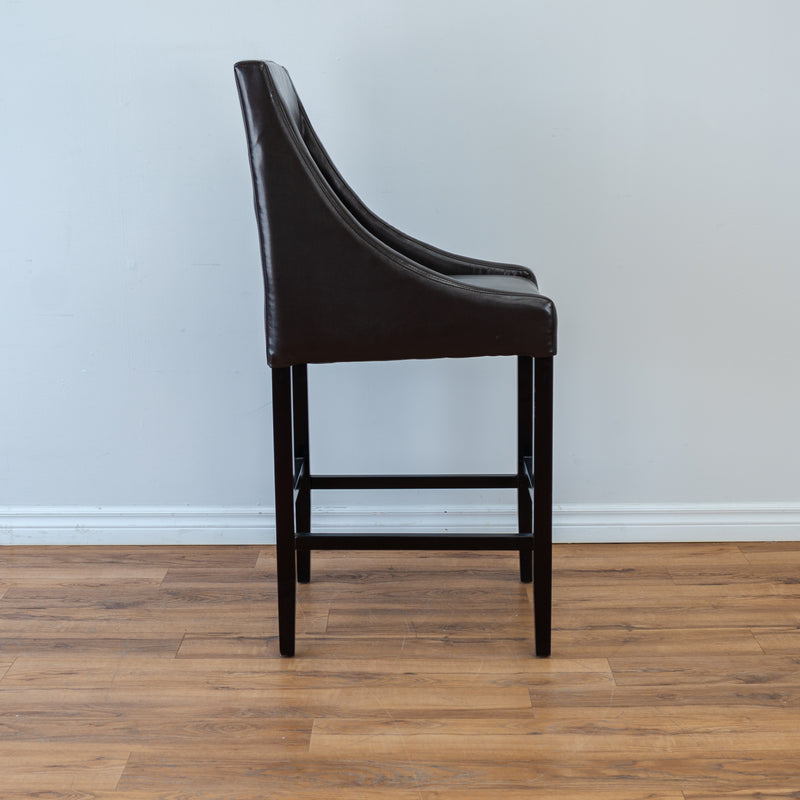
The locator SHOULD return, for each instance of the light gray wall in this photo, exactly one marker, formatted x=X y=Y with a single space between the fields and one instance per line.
x=642 y=156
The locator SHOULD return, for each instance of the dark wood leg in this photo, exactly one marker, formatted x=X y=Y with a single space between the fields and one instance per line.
x=301 y=460
x=524 y=451
x=284 y=506
x=543 y=503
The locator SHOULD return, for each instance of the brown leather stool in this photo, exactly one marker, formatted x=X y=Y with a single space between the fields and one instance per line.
x=343 y=285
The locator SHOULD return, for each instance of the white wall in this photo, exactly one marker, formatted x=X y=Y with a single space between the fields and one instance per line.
x=641 y=156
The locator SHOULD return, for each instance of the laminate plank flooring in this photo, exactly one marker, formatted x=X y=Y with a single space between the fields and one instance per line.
x=147 y=672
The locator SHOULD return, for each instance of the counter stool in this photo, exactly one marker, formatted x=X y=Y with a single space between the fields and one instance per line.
x=343 y=285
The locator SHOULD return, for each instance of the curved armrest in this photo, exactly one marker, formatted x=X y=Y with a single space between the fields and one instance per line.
x=440 y=260
x=426 y=254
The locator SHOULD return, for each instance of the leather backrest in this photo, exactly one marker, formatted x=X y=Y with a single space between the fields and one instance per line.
x=286 y=95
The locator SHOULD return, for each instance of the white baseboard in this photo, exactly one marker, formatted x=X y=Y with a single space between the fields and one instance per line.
x=123 y=525
x=689 y=522
x=571 y=523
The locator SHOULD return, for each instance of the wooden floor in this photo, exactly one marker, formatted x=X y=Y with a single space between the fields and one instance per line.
x=154 y=673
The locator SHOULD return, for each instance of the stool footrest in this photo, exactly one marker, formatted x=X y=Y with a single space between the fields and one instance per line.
x=415 y=541
x=413 y=481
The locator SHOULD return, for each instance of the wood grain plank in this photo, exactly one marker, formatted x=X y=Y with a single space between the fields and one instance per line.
x=494 y=748
x=73 y=573
x=710 y=574
x=677 y=612
x=146 y=728
x=772 y=554
x=287 y=702
x=591 y=721
x=608 y=790
x=778 y=640
x=638 y=554
x=615 y=642
x=38 y=767
x=218 y=576
x=64 y=644
x=126 y=671
x=90 y=559
x=451 y=620
x=788 y=791
x=510 y=668
x=171 y=619
x=281 y=779
x=186 y=788
x=244 y=790
x=401 y=645
x=60 y=673
x=668 y=720
x=313 y=777
x=370 y=727
x=676 y=671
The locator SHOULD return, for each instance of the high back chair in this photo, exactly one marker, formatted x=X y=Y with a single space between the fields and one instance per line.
x=343 y=285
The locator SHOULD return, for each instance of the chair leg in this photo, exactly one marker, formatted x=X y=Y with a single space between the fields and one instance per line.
x=543 y=503
x=301 y=451
x=284 y=506
x=524 y=450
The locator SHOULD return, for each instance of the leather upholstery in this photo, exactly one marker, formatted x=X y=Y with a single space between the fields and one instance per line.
x=342 y=284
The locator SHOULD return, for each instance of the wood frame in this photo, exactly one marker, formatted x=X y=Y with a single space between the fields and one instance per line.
x=294 y=483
